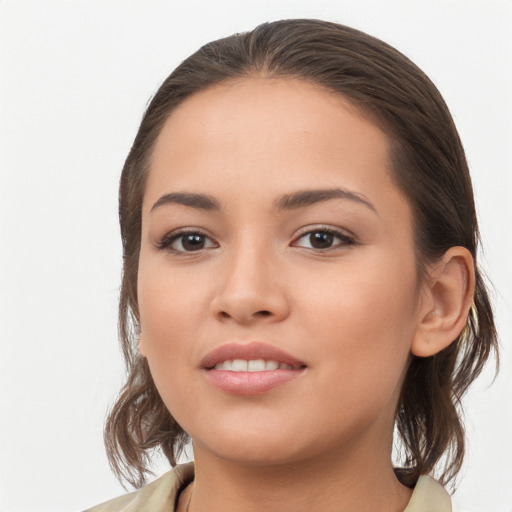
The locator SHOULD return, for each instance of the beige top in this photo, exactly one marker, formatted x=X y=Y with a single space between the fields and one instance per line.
x=161 y=495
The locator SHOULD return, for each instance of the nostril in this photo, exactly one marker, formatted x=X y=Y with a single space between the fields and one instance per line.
x=258 y=314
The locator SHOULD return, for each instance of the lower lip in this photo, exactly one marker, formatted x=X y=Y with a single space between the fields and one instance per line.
x=250 y=383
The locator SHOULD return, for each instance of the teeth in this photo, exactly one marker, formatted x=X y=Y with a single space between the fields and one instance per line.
x=239 y=365
x=226 y=365
x=254 y=365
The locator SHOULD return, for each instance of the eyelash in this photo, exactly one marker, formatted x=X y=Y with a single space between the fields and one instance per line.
x=346 y=241
x=165 y=244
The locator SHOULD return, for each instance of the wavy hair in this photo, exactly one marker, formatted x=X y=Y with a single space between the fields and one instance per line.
x=429 y=167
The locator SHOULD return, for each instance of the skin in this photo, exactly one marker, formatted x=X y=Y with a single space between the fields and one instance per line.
x=353 y=313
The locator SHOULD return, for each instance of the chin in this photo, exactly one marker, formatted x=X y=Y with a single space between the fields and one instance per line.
x=251 y=448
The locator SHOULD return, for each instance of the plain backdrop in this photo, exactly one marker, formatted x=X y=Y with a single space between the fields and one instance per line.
x=75 y=77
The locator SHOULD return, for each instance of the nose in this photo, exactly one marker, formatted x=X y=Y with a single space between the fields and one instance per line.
x=251 y=289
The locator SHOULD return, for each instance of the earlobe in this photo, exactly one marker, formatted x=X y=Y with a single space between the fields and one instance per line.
x=450 y=291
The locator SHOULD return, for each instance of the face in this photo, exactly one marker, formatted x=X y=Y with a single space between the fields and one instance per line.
x=277 y=284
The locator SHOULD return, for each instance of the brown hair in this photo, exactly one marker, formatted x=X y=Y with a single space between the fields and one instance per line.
x=429 y=167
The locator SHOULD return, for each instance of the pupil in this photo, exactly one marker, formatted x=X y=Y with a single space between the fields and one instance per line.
x=321 y=240
x=193 y=242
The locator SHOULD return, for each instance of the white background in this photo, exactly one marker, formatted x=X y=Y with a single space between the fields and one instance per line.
x=75 y=77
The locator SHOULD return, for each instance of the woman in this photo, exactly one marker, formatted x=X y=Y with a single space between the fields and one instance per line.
x=299 y=278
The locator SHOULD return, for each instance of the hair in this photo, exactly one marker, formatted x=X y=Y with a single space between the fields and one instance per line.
x=428 y=166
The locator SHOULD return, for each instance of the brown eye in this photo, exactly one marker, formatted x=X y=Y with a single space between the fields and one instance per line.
x=192 y=242
x=323 y=239
x=186 y=242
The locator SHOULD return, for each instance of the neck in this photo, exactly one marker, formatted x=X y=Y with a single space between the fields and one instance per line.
x=340 y=482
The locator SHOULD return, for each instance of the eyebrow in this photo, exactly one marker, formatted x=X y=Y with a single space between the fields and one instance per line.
x=200 y=201
x=292 y=201
x=303 y=198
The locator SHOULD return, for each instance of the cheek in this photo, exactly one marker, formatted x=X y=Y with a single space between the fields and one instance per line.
x=167 y=300
x=166 y=307
x=167 y=321
x=364 y=323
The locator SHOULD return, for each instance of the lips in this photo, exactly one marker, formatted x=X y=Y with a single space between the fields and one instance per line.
x=250 y=369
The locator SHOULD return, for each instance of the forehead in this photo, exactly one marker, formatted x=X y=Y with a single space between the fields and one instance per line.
x=263 y=136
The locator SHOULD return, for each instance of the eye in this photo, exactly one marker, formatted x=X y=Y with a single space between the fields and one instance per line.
x=186 y=241
x=323 y=239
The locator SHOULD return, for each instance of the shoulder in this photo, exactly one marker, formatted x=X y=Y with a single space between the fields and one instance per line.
x=429 y=496
x=158 y=496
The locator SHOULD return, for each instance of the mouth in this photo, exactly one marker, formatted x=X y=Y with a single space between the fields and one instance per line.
x=253 y=365
x=250 y=369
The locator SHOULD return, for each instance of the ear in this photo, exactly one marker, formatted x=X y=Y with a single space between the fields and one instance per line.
x=448 y=297
x=142 y=344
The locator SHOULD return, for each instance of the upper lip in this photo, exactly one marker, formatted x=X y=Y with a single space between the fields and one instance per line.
x=248 y=351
